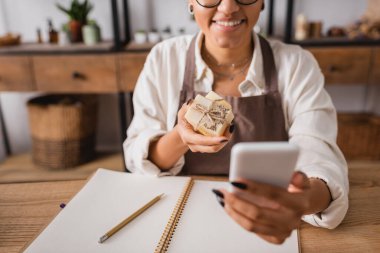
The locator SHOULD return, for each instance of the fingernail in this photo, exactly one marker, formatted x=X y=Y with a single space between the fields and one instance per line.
x=189 y=101
x=232 y=128
x=62 y=205
x=239 y=185
x=223 y=141
x=218 y=193
x=221 y=202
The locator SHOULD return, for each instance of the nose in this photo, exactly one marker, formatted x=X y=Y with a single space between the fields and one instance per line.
x=228 y=7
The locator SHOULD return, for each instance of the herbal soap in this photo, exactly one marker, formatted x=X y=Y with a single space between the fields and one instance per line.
x=210 y=115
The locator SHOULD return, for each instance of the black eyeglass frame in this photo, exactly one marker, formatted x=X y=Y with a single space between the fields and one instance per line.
x=212 y=6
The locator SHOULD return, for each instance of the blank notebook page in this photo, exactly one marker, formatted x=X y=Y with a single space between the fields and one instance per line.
x=206 y=227
x=107 y=199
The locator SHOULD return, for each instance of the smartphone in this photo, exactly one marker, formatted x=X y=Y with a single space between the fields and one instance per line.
x=264 y=162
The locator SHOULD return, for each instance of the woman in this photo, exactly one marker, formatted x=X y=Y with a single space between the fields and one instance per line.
x=277 y=94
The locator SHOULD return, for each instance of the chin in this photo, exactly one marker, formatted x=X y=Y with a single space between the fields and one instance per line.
x=228 y=42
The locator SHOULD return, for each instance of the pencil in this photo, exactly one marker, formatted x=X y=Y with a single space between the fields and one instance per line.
x=129 y=219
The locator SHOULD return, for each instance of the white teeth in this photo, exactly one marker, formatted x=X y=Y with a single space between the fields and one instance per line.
x=229 y=23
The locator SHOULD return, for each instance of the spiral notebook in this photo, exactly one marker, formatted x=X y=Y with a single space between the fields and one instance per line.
x=186 y=219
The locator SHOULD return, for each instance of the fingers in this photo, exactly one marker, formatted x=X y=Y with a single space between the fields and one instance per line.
x=267 y=194
x=229 y=130
x=274 y=239
x=272 y=226
x=273 y=234
x=194 y=138
x=206 y=149
x=195 y=141
x=281 y=219
x=182 y=111
x=300 y=180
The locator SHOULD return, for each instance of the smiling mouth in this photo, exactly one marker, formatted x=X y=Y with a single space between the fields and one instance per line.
x=229 y=23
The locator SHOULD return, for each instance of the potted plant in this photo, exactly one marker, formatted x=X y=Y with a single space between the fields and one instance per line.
x=153 y=36
x=140 y=36
x=77 y=12
x=64 y=35
x=91 y=33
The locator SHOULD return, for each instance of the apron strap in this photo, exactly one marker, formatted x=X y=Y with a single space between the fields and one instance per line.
x=270 y=70
x=188 y=81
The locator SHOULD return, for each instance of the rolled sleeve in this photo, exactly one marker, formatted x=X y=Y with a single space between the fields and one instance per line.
x=334 y=214
x=313 y=127
x=317 y=161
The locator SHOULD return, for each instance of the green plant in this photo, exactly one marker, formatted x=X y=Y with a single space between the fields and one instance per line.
x=92 y=22
x=65 y=27
x=77 y=11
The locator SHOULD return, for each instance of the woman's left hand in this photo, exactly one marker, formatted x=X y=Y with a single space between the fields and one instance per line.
x=270 y=212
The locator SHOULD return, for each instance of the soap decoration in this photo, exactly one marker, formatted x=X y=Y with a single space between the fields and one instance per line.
x=210 y=115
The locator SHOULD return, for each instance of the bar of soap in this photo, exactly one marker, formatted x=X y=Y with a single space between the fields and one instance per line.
x=210 y=115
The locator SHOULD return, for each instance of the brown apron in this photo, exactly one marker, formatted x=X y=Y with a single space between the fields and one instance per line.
x=257 y=118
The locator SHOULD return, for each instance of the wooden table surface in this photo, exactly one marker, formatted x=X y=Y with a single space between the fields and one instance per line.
x=26 y=208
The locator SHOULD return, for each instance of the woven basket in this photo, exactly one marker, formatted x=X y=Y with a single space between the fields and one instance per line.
x=359 y=136
x=63 y=130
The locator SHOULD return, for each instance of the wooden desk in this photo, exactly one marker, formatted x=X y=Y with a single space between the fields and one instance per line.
x=26 y=208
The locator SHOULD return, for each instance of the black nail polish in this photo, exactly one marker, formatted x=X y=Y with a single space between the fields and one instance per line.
x=239 y=185
x=232 y=128
x=218 y=193
x=221 y=202
x=189 y=101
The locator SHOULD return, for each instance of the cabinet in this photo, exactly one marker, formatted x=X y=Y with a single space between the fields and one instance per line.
x=16 y=73
x=130 y=66
x=82 y=73
x=342 y=65
x=76 y=73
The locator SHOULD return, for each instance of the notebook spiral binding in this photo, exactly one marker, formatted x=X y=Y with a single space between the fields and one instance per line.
x=167 y=235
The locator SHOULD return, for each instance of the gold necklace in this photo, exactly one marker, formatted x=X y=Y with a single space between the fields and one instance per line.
x=229 y=65
x=232 y=76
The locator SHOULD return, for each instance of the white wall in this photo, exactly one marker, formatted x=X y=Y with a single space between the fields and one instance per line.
x=16 y=119
x=3 y=19
x=25 y=17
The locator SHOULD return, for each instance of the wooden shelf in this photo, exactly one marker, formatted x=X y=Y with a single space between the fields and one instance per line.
x=136 y=47
x=20 y=168
x=45 y=48
x=327 y=42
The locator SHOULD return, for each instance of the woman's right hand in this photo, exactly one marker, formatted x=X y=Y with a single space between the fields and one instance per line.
x=196 y=141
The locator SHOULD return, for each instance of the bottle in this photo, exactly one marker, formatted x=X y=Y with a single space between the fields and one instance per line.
x=53 y=34
x=39 y=36
x=302 y=28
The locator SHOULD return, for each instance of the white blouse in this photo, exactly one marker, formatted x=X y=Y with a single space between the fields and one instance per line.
x=309 y=113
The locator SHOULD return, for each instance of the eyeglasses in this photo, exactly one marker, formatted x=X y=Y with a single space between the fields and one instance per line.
x=214 y=3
